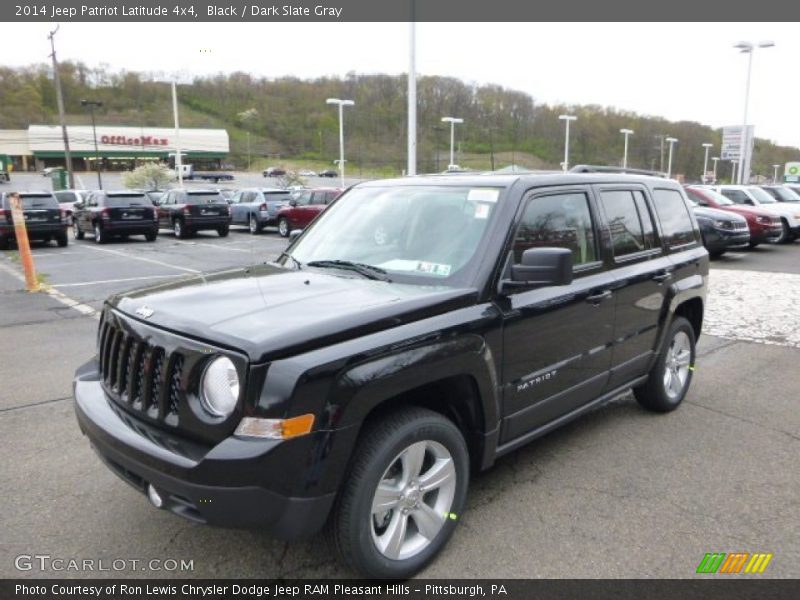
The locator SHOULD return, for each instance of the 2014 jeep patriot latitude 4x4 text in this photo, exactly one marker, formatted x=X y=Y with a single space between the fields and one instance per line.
x=418 y=330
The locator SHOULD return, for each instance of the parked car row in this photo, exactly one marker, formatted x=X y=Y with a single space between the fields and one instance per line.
x=735 y=216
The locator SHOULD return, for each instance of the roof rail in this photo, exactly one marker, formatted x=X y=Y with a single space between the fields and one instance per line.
x=607 y=169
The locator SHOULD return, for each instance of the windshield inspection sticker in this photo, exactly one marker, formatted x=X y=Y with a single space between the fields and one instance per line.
x=434 y=269
x=482 y=211
x=483 y=195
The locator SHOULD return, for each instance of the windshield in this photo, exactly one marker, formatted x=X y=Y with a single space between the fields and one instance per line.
x=416 y=234
x=123 y=200
x=35 y=201
x=783 y=194
x=715 y=196
x=211 y=198
x=760 y=195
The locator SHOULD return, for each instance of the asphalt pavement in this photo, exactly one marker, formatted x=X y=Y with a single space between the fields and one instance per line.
x=618 y=493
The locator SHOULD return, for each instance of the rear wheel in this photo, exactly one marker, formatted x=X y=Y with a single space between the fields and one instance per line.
x=671 y=374
x=62 y=239
x=254 y=225
x=402 y=496
x=99 y=235
x=752 y=245
x=151 y=236
x=76 y=230
x=283 y=227
x=223 y=231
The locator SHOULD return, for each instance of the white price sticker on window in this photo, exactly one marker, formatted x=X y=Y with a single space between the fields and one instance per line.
x=483 y=195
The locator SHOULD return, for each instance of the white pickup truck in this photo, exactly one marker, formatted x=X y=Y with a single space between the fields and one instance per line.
x=188 y=172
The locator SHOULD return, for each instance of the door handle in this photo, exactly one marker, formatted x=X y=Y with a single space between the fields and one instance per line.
x=599 y=297
x=662 y=277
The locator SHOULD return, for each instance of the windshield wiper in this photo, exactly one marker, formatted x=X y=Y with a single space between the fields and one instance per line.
x=369 y=271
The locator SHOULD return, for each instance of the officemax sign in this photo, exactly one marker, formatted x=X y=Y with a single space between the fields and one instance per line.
x=145 y=140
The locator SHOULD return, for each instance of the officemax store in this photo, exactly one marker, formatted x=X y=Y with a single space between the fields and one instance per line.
x=117 y=148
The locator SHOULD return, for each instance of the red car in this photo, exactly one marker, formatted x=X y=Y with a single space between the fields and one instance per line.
x=303 y=207
x=764 y=226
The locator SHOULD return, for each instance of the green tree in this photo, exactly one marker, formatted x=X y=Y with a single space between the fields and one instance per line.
x=150 y=176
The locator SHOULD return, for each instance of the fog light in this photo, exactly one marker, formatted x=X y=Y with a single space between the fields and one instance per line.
x=154 y=496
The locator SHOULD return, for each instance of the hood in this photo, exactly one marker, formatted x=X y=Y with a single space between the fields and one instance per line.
x=715 y=213
x=748 y=211
x=268 y=312
x=782 y=208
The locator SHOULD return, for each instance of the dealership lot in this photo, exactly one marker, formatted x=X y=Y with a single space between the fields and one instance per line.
x=627 y=493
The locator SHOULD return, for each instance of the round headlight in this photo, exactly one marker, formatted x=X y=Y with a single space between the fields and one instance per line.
x=219 y=389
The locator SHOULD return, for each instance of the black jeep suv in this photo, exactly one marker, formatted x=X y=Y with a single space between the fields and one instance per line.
x=108 y=214
x=437 y=323
x=44 y=219
x=188 y=211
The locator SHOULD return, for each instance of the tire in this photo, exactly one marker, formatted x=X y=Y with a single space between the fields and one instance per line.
x=254 y=226
x=671 y=374
x=179 y=229
x=716 y=253
x=223 y=231
x=99 y=236
x=4 y=243
x=399 y=447
x=786 y=234
x=62 y=239
x=283 y=227
x=752 y=245
x=151 y=236
x=76 y=231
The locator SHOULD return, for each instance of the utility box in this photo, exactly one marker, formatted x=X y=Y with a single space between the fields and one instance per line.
x=58 y=178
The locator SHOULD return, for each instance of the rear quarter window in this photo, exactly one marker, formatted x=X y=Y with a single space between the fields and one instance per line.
x=676 y=221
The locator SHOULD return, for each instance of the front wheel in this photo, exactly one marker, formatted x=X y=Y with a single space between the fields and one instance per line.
x=283 y=227
x=786 y=234
x=254 y=225
x=403 y=494
x=99 y=235
x=76 y=230
x=671 y=375
x=179 y=229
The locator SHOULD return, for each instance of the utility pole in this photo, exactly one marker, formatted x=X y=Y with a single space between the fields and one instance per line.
x=491 y=146
x=60 y=101
x=411 y=167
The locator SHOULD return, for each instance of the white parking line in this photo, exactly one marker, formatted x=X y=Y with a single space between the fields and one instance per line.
x=100 y=282
x=143 y=259
x=215 y=246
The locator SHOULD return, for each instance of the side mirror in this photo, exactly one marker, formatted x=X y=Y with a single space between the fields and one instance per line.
x=156 y=202
x=294 y=234
x=78 y=206
x=292 y=202
x=543 y=267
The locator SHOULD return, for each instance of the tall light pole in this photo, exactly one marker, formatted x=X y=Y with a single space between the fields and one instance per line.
x=412 y=95
x=92 y=104
x=733 y=169
x=707 y=146
x=715 y=159
x=178 y=158
x=626 y=133
x=341 y=104
x=567 y=119
x=671 y=141
x=744 y=160
x=775 y=174
x=452 y=121
x=60 y=102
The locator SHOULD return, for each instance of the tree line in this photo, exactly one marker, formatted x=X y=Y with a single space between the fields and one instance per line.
x=288 y=117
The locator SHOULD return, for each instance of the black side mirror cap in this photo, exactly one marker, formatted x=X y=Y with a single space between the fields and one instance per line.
x=78 y=206
x=543 y=267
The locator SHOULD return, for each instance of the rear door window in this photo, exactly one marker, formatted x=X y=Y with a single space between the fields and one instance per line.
x=676 y=221
x=624 y=222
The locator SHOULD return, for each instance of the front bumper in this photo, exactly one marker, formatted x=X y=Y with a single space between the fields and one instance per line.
x=217 y=485
x=718 y=240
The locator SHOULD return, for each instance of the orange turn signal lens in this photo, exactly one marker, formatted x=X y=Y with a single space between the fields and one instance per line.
x=275 y=429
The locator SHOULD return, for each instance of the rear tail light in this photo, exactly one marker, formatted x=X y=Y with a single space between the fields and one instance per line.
x=263 y=207
x=187 y=211
x=65 y=215
x=155 y=214
x=105 y=213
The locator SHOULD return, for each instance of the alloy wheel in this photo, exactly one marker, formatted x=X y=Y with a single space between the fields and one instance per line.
x=677 y=364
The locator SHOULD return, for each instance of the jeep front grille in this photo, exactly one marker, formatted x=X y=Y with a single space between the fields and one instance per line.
x=140 y=375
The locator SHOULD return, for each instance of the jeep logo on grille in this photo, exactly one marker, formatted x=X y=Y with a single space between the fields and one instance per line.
x=145 y=312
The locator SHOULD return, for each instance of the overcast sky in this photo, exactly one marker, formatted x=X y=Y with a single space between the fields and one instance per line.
x=681 y=71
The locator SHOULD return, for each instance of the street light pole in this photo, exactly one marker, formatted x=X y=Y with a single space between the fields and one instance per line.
x=92 y=104
x=60 y=103
x=733 y=170
x=775 y=175
x=178 y=158
x=341 y=104
x=744 y=159
x=671 y=141
x=715 y=159
x=626 y=133
x=566 y=119
x=452 y=121
x=707 y=146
